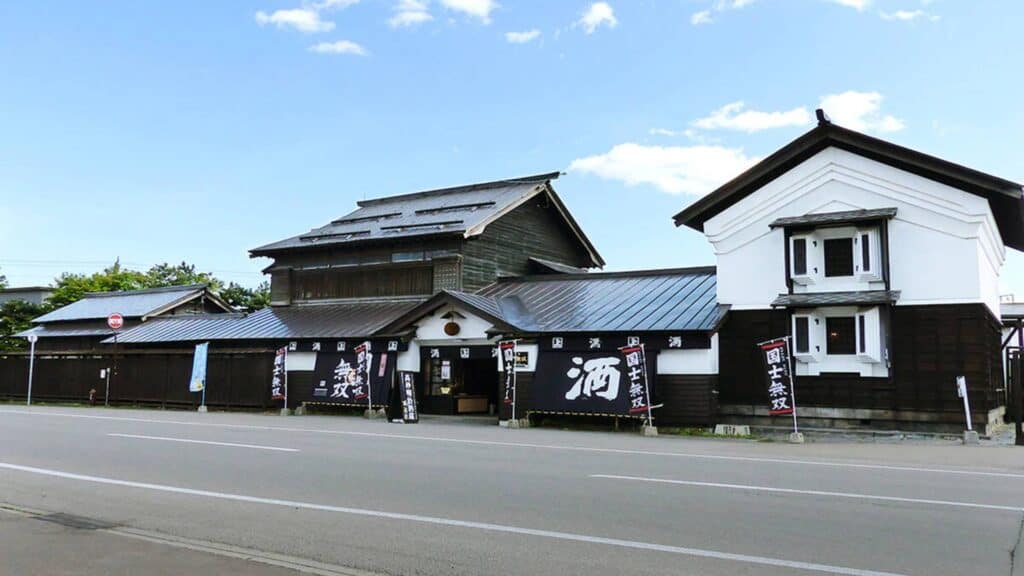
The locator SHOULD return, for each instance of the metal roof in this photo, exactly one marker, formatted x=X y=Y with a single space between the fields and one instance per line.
x=648 y=300
x=837 y=298
x=833 y=218
x=446 y=211
x=349 y=320
x=66 y=331
x=1004 y=196
x=130 y=304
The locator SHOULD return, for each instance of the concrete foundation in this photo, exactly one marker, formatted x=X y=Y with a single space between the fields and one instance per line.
x=203 y=408
x=796 y=438
x=971 y=437
x=650 y=431
x=301 y=410
x=286 y=412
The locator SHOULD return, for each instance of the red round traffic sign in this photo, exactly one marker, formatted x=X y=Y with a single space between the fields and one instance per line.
x=115 y=321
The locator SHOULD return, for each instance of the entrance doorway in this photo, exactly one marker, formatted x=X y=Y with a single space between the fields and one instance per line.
x=459 y=380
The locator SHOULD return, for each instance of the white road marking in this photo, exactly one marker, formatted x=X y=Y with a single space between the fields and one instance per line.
x=633 y=544
x=794 y=462
x=810 y=492
x=189 y=441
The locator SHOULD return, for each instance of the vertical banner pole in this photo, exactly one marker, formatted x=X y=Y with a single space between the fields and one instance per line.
x=792 y=381
x=369 y=376
x=515 y=391
x=286 y=378
x=647 y=386
x=31 y=366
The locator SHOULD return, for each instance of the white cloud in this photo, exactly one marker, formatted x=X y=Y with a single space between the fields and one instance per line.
x=522 y=37
x=598 y=14
x=302 y=19
x=858 y=5
x=329 y=4
x=702 y=17
x=733 y=116
x=661 y=132
x=860 y=111
x=908 y=15
x=480 y=9
x=410 y=13
x=674 y=169
x=339 y=47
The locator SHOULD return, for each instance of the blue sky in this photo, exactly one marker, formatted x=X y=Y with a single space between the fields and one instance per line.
x=198 y=130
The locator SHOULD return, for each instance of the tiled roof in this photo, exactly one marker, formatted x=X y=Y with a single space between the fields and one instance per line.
x=832 y=218
x=861 y=298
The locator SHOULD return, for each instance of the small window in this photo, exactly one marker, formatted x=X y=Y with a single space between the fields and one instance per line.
x=839 y=257
x=799 y=256
x=842 y=336
x=865 y=252
x=802 y=334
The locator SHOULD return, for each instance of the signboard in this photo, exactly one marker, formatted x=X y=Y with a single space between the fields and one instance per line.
x=584 y=382
x=775 y=354
x=636 y=372
x=407 y=396
x=198 y=381
x=507 y=352
x=115 y=321
x=338 y=377
x=278 y=380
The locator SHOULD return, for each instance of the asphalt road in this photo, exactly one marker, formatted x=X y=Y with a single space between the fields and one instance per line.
x=451 y=497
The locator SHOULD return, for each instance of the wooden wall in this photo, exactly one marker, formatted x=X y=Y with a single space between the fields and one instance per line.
x=930 y=346
x=534 y=229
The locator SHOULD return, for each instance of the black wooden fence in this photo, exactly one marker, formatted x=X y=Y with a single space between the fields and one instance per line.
x=234 y=379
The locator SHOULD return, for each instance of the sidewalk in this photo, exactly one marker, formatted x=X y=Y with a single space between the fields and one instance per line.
x=30 y=545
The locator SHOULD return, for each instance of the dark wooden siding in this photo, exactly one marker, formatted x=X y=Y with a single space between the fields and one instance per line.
x=689 y=400
x=234 y=379
x=369 y=282
x=930 y=346
x=534 y=229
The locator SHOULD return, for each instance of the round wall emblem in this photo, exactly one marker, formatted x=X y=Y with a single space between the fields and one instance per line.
x=452 y=328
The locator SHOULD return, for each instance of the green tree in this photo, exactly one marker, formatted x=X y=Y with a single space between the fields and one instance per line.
x=179 y=275
x=246 y=299
x=16 y=316
x=70 y=287
x=3 y=281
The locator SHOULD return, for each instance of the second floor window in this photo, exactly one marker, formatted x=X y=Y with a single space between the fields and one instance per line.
x=838 y=257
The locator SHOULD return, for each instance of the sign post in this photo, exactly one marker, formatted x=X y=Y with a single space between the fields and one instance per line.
x=507 y=352
x=639 y=386
x=279 y=379
x=115 y=322
x=32 y=339
x=970 y=435
x=778 y=362
x=198 y=381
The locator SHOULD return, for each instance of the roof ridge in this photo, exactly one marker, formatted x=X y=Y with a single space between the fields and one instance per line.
x=599 y=275
x=181 y=288
x=533 y=179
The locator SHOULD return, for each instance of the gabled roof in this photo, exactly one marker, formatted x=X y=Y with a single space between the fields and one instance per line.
x=349 y=320
x=459 y=211
x=1004 y=196
x=675 y=300
x=131 y=303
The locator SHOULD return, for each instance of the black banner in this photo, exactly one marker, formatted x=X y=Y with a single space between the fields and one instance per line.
x=507 y=350
x=341 y=377
x=345 y=346
x=612 y=342
x=775 y=354
x=277 y=381
x=407 y=396
x=583 y=382
x=636 y=370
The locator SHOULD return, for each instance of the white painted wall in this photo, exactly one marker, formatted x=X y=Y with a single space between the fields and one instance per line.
x=409 y=361
x=430 y=329
x=944 y=245
x=690 y=361
x=300 y=361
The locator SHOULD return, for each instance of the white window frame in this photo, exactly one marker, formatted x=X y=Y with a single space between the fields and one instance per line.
x=813 y=270
x=871 y=272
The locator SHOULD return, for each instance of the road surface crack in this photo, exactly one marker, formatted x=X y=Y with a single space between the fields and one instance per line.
x=1016 y=545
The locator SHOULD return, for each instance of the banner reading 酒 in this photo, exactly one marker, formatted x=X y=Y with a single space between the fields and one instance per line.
x=584 y=382
x=278 y=379
x=775 y=354
x=198 y=381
